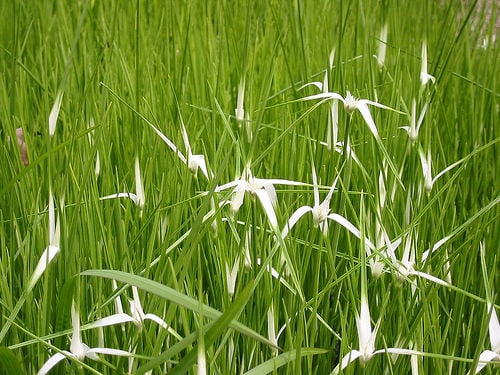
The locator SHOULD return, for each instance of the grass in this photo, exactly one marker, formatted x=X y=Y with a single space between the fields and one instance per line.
x=410 y=290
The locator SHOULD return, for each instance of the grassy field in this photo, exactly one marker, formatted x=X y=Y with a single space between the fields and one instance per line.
x=249 y=187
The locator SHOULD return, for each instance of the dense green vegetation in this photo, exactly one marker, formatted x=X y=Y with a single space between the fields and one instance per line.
x=262 y=176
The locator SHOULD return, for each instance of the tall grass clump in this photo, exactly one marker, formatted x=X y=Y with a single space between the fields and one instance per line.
x=249 y=187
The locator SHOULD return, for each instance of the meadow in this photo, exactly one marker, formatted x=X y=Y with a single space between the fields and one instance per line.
x=249 y=187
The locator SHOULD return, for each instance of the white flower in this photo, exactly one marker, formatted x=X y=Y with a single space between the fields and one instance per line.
x=262 y=188
x=367 y=337
x=78 y=349
x=321 y=214
x=352 y=104
x=137 y=314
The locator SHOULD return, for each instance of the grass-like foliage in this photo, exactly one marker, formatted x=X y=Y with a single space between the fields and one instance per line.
x=249 y=187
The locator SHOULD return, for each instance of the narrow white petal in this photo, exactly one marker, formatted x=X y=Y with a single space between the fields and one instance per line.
x=301 y=211
x=424 y=75
x=52 y=361
x=199 y=161
x=486 y=357
x=271 y=192
x=377 y=104
x=170 y=144
x=47 y=256
x=315 y=188
x=318 y=84
x=450 y=167
x=77 y=347
x=494 y=330
x=228 y=185
x=364 y=325
x=348 y=358
x=111 y=320
x=430 y=278
x=185 y=138
x=271 y=329
x=330 y=192
x=382 y=46
x=421 y=117
x=97 y=168
x=240 y=110
x=279 y=181
x=118 y=301
x=92 y=352
x=324 y=95
x=54 y=113
x=52 y=218
x=139 y=188
x=365 y=112
x=434 y=248
x=350 y=227
x=231 y=276
x=131 y=196
x=399 y=351
x=333 y=125
x=156 y=319
x=268 y=207
x=237 y=199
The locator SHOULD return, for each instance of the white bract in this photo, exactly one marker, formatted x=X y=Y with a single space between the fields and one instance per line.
x=138 y=198
x=382 y=46
x=415 y=124
x=54 y=112
x=46 y=258
x=492 y=355
x=424 y=76
x=78 y=349
x=240 y=110
x=139 y=187
x=53 y=249
x=97 y=167
x=231 y=275
x=426 y=161
x=271 y=329
x=194 y=161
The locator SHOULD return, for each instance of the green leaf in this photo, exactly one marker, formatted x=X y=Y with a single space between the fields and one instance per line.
x=9 y=365
x=281 y=360
x=216 y=330
x=174 y=296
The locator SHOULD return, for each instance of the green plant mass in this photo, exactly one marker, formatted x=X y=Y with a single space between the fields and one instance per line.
x=249 y=187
